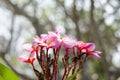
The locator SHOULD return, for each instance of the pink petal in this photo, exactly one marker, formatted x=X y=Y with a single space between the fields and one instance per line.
x=83 y=50
x=80 y=44
x=43 y=36
x=68 y=44
x=98 y=52
x=90 y=46
x=23 y=58
x=27 y=47
x=32 y=54
x=37 y=40
x=42 y=44
x=58 y=30
x=52 y=34
x=96 y=55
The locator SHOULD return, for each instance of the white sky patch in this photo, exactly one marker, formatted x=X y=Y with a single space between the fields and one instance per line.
x=108 y=9
x=109 y=20
x=103 y=1
x=87 y=5
x=5 y=20
x=5 y=33
x=68 y=3
x=114 y=2
x=116 y=59
x=45 y=3
x=117 y=34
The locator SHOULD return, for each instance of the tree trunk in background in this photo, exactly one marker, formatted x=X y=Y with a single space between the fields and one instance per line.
x=94 y=29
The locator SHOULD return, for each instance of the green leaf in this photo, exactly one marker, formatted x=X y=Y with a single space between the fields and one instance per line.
x=7 y=74
x=72 y=76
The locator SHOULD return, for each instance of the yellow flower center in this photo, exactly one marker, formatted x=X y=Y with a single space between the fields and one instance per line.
x=48 y=43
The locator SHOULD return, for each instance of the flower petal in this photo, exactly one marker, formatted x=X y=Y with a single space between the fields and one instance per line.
x=37 y=40
x=90 y=46
x=23 y=58
x=68 y=44
x=98 y=52
x=32 y=54
x=26 y=59
x=27 y=47
x=96 y=55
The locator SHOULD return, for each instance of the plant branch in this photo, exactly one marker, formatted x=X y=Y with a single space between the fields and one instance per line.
x=19 y=11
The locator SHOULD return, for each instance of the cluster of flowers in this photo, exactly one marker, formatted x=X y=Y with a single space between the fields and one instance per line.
x=53 y=40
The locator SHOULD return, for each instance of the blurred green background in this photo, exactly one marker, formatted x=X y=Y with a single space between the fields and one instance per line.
x=87 y=20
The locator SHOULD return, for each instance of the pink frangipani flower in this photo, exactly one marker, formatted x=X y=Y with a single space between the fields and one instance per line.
x=30 y=48
x=90 y=50
x=27 y=59
x=68 y=42
x=81 y=45
x=48 y=41
x=76 y=53
x=52 y=42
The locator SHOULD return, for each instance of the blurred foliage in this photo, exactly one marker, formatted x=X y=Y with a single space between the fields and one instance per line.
x=7 y=74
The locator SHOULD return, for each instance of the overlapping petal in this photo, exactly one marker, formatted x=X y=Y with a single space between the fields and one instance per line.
x=27 y=59
x=28 y=47
x=68 y=42
x=90 y=46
